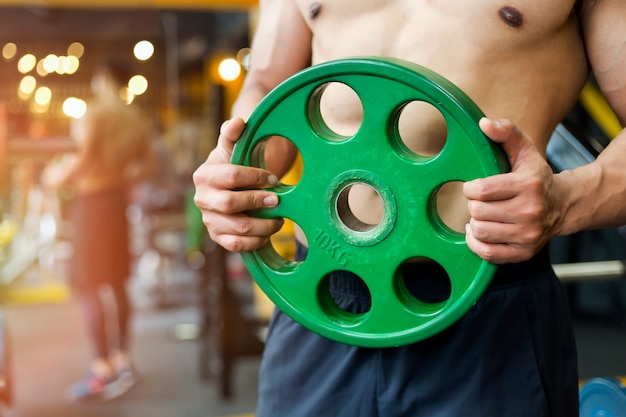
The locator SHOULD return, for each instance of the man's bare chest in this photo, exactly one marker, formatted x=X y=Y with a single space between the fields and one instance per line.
x=514 y=20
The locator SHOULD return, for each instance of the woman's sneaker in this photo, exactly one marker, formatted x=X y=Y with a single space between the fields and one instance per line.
x=126 y=377
x=94 y=388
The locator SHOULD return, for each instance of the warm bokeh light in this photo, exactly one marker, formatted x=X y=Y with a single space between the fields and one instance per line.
x=74 y=107
x=50 y=63
x=138 y=84
x=43 y=95
x=72 y=63
x=126 y=95
x=62 y=65
x=143 y=50
x=229 y=69
x=41 y=71
x=26 y=63
x=66 y=65
x=76 y=49
x=59 y=64
x=34 y=67
x=9 y=50
x=243 y=57
x=27 y=85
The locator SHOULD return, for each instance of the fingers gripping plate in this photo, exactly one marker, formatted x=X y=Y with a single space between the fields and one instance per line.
x=405 y=183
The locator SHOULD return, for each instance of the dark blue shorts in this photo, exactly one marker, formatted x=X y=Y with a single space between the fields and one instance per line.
x=513 y=354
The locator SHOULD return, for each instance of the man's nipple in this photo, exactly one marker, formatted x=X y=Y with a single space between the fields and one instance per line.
x=511 y=16
x=314 y=10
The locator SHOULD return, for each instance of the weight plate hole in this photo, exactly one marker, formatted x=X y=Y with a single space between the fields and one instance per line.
x=344 y=310
x=427 y=126
x=267 y=146
x=280 y=253
x=450 y=206
x=335 y=111
x=284 y=245
x=360 y=207
x=422 y=283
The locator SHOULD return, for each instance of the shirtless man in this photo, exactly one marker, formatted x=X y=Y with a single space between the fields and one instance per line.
x=524 y=64
x=113 y=153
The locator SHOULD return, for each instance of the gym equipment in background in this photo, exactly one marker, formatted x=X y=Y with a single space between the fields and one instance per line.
x=603 y=397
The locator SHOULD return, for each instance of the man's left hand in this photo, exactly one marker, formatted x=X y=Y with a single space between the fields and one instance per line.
x=513 y=215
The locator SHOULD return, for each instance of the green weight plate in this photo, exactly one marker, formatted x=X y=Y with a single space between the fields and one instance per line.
x=406 y=183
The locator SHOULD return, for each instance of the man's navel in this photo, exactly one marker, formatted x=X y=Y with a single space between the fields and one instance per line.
x=511 y=16
x=315 y=9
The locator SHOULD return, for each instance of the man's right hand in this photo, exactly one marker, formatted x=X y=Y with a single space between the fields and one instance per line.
x=225 y=192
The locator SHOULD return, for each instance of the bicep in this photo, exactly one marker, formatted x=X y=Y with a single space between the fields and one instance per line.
x=281 y=46
x=605 y=38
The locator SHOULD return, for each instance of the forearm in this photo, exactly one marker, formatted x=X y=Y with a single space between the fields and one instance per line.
x=594 y=195
x=250 y=96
